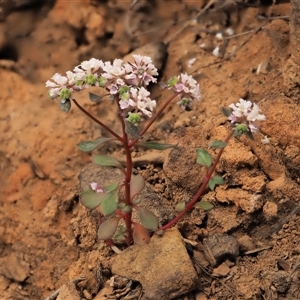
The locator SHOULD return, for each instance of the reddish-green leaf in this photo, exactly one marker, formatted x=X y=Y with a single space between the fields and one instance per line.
x=110 y=203
x=249 y=135
x=132 y=130
x=88 y=146
x=203 y=158
x=137 y=184
x=141 y=235
x=226 y=111
x=147 y=218
x=156 y=146
x=217 y=144
x=66 y=105
x=108 y=161
x=180 y=206
x=94 y=97
x=214 y=181
x=205 y=205
x=108 y=228
x=91 y=199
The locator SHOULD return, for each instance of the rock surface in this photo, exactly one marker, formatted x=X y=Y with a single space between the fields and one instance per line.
x=14 y=267
x=163 y=267
x=68 y=292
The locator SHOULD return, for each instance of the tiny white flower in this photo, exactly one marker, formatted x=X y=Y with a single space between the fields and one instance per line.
x=191 y=62
x=229 y=31
x=265 y=140
x=216 y=51
x=219 y=36
x=59 y=79
x=248 y=113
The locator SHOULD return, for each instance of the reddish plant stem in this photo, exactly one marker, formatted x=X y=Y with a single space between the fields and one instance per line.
x=133 y=142
x=97 y=121
x=127 y=216
x=207 y=177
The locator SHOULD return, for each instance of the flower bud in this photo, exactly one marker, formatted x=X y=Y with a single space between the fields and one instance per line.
x=90 y=79
x=173 y=81
x=65 y=94
x=124 y=89
x=241 y=129
x=101 y=80
x=184 y=102
x=134 y=118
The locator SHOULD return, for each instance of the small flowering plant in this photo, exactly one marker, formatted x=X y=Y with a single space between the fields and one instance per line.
x=126 y=85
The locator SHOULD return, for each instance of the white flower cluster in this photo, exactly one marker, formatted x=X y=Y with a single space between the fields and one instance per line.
x=187 y=89
x=247 y=113
x=128 y=80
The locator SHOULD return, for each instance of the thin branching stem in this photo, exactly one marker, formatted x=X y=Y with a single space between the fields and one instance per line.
x=97 y=121
x=202 y=188
x=127 y=180
x=133 y=142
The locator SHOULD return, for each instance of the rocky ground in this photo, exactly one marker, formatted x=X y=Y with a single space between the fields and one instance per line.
x=246 y=247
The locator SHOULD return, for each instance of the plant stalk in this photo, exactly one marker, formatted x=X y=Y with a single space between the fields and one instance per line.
x=97 y=121
x=128 y=216
x=133 y=142
x=207 y=177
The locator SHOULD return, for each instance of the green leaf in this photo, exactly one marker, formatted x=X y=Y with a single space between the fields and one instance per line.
x=66 y=105
x=141 y=235
x=88 y=146
x=205 y=205
x=107 y=161
x=91 y=199
x=108 y=228
x=250 y=135
x=94 y=97
x=147 y=218
x=226 y=111
x=217 y=144
x=214 y=181
x=132 y=130
x=203 y=158
x=110 y=203
x=120 y=234
x=109 y=188
x=180 y=206
x=137 y=184
x=121 y=205
x=127 y=209
x=136 y=201
x=155 y=145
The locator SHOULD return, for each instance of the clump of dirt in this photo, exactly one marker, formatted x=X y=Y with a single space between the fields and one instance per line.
x=47 y=239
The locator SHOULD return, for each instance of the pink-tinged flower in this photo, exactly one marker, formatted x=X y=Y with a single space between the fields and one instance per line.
x=247 y=113
x=91 y=66
x=143 y=103
x=113 y=70
x=95 y=187
x=141 y=71
x=59 y=83
x=187 y=88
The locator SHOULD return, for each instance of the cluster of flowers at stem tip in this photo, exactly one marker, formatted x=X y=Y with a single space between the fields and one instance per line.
x=245 y=116
x=126 y=82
